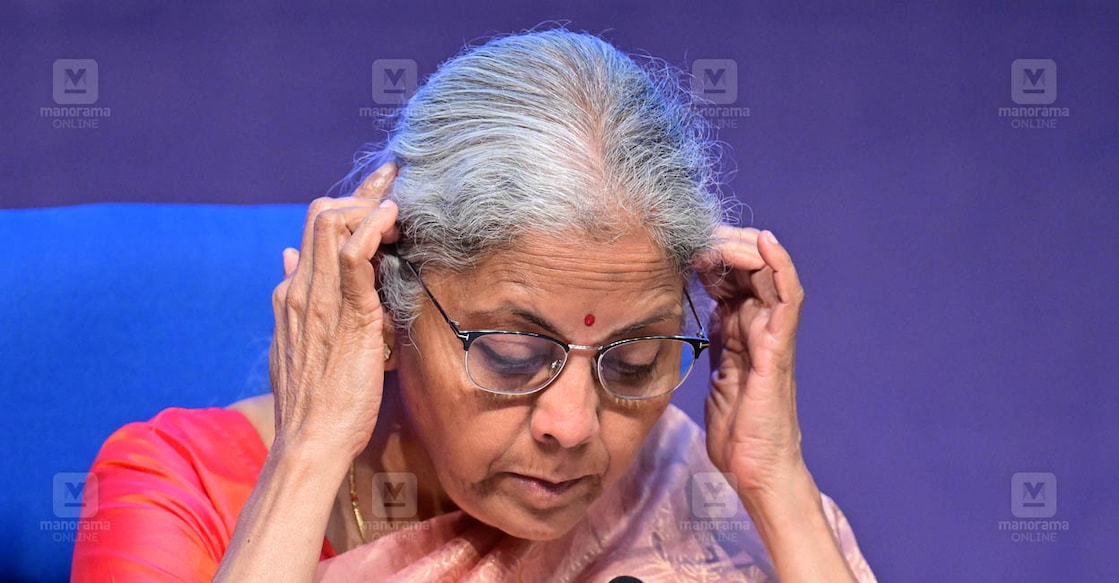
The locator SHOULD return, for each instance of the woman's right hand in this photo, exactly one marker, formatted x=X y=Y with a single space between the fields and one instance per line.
x=328 y=353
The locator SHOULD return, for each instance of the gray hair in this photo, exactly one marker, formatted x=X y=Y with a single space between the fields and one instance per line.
x=543 y=132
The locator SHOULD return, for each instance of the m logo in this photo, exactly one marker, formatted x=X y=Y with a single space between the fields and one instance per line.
x=715 y=80
x=713 y=495
x=75 y=495
x=394 y=495
x=75 y=81
x=394 y=81
x=1033 y=81
x=1033 y=494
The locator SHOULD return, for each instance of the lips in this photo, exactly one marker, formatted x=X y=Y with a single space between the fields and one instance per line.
x=545 y=491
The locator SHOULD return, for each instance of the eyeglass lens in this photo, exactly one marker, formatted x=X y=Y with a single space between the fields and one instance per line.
x=637 y=369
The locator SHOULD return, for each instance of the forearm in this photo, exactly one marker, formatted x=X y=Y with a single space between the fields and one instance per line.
x=279 y=534
x=792 y=524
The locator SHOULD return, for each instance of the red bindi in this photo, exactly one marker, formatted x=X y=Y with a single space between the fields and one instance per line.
x=588 y=320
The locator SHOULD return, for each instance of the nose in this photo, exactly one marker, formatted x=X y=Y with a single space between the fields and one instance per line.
x=566 y=411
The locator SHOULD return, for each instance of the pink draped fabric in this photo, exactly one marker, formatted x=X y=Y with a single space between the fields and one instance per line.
x=170 y=491
x=652 y=525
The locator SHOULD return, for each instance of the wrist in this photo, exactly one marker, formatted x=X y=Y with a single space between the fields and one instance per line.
x=321 y=444
x=308 y=457
x=280 y=528
x=789 y=516
x=789 y=495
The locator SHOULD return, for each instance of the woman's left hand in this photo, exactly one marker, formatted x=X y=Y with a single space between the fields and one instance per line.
x=752 y=428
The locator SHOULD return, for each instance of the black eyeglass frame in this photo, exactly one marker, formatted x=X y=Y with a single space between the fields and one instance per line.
x=698 y=344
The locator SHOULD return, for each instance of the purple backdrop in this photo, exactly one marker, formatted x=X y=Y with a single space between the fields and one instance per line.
x=954 y=217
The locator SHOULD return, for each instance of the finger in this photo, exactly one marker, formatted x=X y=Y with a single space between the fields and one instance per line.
x=276 y=370
x=734 y=248
x=784 y=273
x=375 y=186
x=764 y=287
x=724 y=231
x=331 y=230
x=790 y=293
x=727 y=272
x=291 y=260
x=356 y=255
x=321 y=205
x=280 y=303
x=277 y=365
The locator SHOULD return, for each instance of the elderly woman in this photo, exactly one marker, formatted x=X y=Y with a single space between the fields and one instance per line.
x=474 y=356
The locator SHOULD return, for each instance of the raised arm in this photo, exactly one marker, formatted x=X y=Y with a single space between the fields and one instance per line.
x=752 y=428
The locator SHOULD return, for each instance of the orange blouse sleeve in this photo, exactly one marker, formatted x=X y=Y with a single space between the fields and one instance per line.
x=169 y=491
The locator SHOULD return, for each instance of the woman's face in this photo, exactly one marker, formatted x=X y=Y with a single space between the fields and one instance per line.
x=532 y=464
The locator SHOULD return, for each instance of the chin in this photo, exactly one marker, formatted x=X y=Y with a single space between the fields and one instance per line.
x=520 y=520
x=528 y=526
x=527 y=510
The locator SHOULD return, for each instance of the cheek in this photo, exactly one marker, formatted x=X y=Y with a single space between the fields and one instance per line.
x=624 y=430
x=455 y=422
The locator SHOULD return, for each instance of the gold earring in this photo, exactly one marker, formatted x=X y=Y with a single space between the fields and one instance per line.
x=388 y=352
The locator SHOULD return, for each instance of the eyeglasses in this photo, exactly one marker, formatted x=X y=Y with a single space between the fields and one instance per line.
x=520 y=363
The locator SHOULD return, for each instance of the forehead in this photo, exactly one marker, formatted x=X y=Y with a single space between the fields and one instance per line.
x=563 y=260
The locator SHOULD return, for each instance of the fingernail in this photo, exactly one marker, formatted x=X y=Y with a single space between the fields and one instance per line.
x=378 y=181
x=384 y=171
x=379 y=176
x=769 y=237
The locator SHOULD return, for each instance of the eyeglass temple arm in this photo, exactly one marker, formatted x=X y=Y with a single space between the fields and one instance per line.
x=695 y=314
x=464 y=337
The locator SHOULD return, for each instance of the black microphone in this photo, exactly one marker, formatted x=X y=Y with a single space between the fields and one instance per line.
x=625 y=579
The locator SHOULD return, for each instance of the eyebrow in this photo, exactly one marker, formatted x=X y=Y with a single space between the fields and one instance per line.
x=551 y=329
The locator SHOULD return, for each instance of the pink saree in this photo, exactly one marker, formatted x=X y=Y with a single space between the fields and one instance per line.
x=170 y=491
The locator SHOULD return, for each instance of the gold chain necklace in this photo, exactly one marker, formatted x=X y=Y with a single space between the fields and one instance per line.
x=353 y=501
